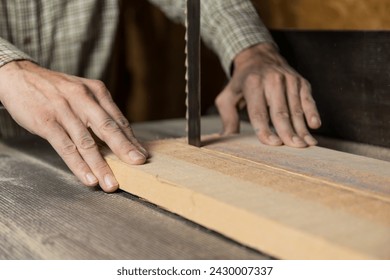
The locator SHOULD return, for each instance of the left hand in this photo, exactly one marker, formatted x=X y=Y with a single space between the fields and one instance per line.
x=273 y=91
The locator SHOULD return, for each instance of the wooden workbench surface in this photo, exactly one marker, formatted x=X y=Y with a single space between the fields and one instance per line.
x=45 y=213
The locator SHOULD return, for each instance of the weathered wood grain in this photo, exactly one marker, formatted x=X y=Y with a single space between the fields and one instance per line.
x=46 y=213
x=291 y=203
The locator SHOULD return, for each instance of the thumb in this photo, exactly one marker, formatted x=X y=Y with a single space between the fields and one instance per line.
x=226 y=103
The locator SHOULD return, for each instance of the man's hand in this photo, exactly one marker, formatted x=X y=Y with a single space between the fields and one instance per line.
x=61 y=108
x=273 y=91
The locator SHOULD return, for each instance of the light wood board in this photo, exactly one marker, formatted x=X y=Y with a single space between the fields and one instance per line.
x=312 y=203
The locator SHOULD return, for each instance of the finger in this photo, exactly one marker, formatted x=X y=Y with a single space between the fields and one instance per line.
x=296 y=111
x=275 y=93
x=88 y=149
x=67 y=150
x=258 y=113
x=104 y=126
x=226 y=103
x=309 y=106
x=104 y=98
x=109 y=131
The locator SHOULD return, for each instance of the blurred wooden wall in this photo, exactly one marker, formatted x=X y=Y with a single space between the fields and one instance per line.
x=149 y=74
x=325 y=14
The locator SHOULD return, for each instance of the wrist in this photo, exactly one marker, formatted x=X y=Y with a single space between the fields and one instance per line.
x=260 y=52
x=6 y=72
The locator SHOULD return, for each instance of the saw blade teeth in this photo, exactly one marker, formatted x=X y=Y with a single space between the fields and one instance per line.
x=192 y=75
x=186 y=65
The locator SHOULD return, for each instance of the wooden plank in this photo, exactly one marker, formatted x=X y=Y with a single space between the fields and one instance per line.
x=310 y=203
x=46 y=213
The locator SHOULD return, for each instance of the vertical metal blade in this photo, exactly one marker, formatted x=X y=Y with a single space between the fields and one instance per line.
x=193 y=71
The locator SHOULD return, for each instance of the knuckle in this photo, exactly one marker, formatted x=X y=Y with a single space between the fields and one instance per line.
x=59 y=103
x=101 y=90
x=253 y=79
x=47 y=119
x=276 y=77
x=99 y=85
x=219 y=101
x=263 y=116
x=68 y=149
x=227 y=98
x=87 y=143
x=109 y=125
x=123 y=122
x=297 y=113
x=77 y=87
x=293 y=81
x=283 y=115
x=80 y=89
x=45 y=124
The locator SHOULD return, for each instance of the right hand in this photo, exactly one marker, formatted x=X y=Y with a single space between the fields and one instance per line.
x=61 y=108
x=273 y=92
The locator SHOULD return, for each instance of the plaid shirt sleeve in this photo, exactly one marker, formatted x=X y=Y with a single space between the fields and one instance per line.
x=9 y=52
x=74 y=37
x=227 y=26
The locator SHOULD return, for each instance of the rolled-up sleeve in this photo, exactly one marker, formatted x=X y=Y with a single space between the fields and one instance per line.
x=228 y=26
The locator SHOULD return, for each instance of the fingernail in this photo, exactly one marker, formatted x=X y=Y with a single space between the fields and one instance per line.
x=298 y=140
x=91 y=179
x=310 y=140
x=136 y=155
x=315 y=121
x=110 y=181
